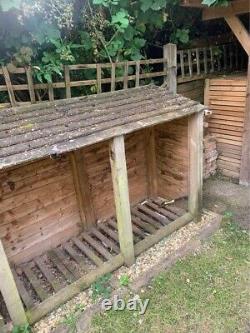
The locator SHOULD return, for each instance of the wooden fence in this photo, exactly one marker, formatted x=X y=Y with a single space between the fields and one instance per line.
x=20 y=86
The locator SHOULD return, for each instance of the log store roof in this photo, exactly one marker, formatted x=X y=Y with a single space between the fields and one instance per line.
x=32 y=132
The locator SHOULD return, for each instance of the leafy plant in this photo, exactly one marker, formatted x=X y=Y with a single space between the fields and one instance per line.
x=124 y=280
x=71 y=319
x=22 y=329
x=101 y=287
x=210 y=3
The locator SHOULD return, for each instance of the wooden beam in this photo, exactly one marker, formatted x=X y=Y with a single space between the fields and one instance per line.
x=195 y=143
x=235 y=7
x=170 y=53
x=121 y=194
x=151 y=161
x=82 y=188
x=9 y=291
x=245 y=156
x=239 y=31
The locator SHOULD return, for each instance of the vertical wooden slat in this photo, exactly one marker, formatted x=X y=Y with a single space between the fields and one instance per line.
x=225 y=56
x=182 y=64
x=219 y=62
x=206 y=92
x=230 y=56
x=112 y=76
x=82 y=188
x=99 y=78
x=211 y=59
x=30 y=85
x=9 y=86
x=67 y=81
x=245 y=155
x=190 y=65
x=151 y=161
x=236 y=56
x=198 y=61
x=137 y=73
x=205 y=59
x=125 y=76
x=9 y=291
x=195 y=143
x=170 y=53
x=51 y=92
x=121 y=195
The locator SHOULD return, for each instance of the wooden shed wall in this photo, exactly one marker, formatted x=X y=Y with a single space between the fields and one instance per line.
x=192 y=89
x=99 y=174
x=227 y=99
x=172 y=158
x=38 y=207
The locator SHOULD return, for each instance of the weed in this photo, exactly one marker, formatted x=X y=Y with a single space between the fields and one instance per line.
x=124 y=280
x=101 y=287
x=21 y=329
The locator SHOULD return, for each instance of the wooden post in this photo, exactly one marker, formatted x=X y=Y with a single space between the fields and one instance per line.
x=121 y=194
x=151 y=161
x=82 y=188
x=195 y=142
x=170 y=53
x=9 y=291
x=245 y=155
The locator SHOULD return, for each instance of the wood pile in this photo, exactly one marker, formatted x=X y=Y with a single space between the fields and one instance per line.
x=210 y=155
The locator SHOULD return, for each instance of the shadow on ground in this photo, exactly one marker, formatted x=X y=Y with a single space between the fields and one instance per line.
x=223 y=196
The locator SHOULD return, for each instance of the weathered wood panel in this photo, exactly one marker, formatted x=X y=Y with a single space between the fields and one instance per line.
x=38 y=208
x=99 y=173
x=172 y=158
x=192 y=89
x=226 y=97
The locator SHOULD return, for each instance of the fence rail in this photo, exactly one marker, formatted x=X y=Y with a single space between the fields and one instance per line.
x=19 y=86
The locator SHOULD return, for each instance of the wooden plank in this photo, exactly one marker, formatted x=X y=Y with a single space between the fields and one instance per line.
x=82 y=187
x=239 y=31
x=235 y=7
x=136 y=212
x=121 y=194
x=198 y=61
x=9 y=291
x=30 y=85
x=9 y=86
x=206 y=92
x=25 y=296
x=137 y=73
x=182 y=63
x=190 y=64
x=97 y=246
x=245 y=159
x=125 y=76
x=151 y=166
x=143 y=225
x=205 y=60
x=105 y=240
x=48 y=274
x=62 y=256
x=211 y=59
x=50 y=92
x=74 y=255
x=195 y=141
x=99 y=78
x=73 y=289
x=170 y=53
x=67 y=81
x=166 y=212
x=156 y=216
x=54 y=256
x=35 y=281
x=112 y=234
x=112 y=77
x=88 y=253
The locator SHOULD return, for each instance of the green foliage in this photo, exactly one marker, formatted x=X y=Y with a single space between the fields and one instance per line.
x=71 y=319
x=101 y=287
x=22 y=329
x=124 y=280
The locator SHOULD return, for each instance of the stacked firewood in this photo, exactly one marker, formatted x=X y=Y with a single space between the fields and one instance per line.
x=210 y=155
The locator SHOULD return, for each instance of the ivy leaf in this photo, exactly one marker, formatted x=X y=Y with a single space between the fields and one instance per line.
x=120 y=20
x=146 y=5
x=129 y=33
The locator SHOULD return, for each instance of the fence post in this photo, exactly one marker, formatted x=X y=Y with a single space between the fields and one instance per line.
x=170 y=54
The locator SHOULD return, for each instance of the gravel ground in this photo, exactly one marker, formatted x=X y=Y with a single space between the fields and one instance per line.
x=143 y=263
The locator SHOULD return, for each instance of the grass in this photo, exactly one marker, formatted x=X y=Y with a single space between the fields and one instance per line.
x=207 y=292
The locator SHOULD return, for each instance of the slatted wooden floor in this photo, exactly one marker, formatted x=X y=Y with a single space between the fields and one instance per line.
x=47 y=274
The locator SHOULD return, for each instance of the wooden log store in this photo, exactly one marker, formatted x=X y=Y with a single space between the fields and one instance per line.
x=83 y=188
